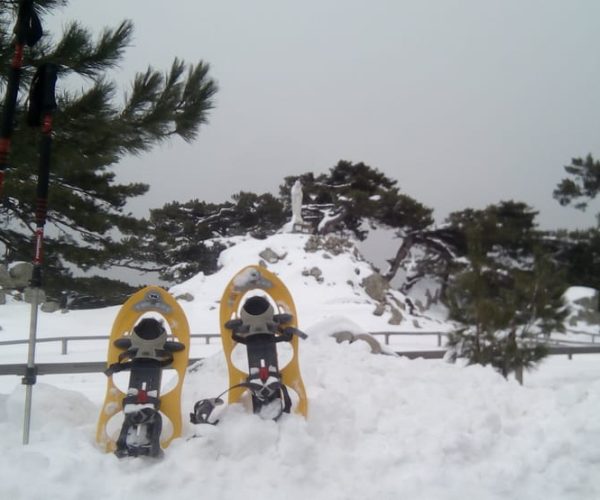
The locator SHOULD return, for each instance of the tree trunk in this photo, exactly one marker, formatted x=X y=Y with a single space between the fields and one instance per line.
x=401 y=254
x=519 y=374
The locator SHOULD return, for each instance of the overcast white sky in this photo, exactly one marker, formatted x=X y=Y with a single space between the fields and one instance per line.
x=464 y=102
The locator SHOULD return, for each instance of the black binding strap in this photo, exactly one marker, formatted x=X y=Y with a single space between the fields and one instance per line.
x=122 y=364
x=204 y=407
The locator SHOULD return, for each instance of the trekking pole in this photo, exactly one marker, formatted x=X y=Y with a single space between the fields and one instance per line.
x=28 y=30
x=42 y=104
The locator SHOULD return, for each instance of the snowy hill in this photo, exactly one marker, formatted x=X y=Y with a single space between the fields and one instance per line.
x=327 y=277
x=379 y=427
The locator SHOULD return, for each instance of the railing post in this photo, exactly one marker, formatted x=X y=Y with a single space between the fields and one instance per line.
x=519 y=374
x=64 y=341
x=439 y=336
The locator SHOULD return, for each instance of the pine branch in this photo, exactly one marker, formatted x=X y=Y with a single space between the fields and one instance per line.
x=128 y=264
x=161 y=106
x=76 y=53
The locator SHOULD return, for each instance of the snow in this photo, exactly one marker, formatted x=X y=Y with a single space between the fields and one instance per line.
x=575 y=293
x=582 y=302
x=379 y=427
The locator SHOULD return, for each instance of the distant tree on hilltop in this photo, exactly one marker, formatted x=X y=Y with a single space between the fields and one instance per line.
x=582 y=185
x=352 y=193
x=184 y=239
x=579 y=251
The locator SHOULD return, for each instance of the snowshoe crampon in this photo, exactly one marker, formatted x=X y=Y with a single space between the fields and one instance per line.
x=260 y=322
x=140 y=434
x=143 y=349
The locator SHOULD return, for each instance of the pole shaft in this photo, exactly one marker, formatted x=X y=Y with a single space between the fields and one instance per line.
x=27 y=416
x=30 y=363
x=42 y=104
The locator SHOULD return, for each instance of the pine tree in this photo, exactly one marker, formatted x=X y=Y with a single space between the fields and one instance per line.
x=579 y=251
x=579 y=255
x=507 y=292
x=93 y=132
x=184 y=239
x=583 y=183
x=352 y=193
x=355 y=198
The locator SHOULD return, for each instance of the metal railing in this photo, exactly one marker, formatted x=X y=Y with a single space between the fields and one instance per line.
x=62 y=368
x=387 y=335
x=65 y=340
x=593 y=336
x=208 y=336
x=100 y=366
x=439 y=335
x=567 y=350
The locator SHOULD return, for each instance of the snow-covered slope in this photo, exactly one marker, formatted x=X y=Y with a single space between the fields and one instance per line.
x=334 y=289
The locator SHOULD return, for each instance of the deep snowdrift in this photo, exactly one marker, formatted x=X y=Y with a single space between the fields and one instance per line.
x=379 y=428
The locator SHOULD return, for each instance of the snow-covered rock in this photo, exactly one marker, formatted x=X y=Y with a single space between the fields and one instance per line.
x=583 y=322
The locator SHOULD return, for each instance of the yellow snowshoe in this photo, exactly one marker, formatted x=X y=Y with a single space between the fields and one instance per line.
x=144 y=349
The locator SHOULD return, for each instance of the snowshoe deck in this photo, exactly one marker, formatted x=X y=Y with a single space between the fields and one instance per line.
x=150 y=299
x=247 y=280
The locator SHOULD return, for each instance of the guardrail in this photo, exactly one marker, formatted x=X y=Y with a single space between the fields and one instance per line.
x=439 y=335
x=387 y=335
x=65 y=340
x=207 y=336
x=62 y=368
x=100 y=366
x=593 y=336
x=569 y=351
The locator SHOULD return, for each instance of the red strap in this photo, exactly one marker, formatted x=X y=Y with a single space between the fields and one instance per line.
x=142 y=396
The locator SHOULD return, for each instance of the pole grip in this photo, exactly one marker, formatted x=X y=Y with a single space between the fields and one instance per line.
x=28 y=31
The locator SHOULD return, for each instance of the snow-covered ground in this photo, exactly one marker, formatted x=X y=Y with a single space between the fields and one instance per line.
x=379 y=427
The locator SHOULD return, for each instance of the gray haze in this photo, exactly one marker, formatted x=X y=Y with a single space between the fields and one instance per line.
x=464 y=102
